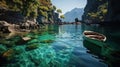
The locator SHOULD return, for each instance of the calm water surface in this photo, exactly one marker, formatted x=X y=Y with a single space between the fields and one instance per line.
x=66 y=50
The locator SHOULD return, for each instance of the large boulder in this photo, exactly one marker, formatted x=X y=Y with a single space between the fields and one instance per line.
x=8 y=55
x=4 y=27
x=32 y=46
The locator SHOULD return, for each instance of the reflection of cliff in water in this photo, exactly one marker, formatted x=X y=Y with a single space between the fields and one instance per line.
x=105 y=52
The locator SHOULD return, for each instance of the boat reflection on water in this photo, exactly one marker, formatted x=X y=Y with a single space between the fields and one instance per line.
x=109 y=55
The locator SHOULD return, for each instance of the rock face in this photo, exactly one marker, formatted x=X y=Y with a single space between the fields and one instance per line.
x=18 y=12
x=95 y=11
x=14 y=21
x=11 y=16
x=101 y=11
x=113 y=10
x=74 y=13
x=56 y=17
x=4 y=27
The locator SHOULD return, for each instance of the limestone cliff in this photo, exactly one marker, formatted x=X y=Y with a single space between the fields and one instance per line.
x=21 y=10
x=97 y=11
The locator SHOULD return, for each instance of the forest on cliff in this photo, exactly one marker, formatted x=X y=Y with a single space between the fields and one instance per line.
x=40 y=10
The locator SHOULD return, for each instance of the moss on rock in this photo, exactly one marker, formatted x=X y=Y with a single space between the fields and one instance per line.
x=9 y=54
x=46 y=41
x=31 y=47
x=7 y=43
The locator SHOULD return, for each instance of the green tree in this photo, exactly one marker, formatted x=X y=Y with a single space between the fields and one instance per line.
x=62 y=16
x=54 y=8
x=59 y=10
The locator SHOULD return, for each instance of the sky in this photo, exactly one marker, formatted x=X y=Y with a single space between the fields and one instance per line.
x=68 y=5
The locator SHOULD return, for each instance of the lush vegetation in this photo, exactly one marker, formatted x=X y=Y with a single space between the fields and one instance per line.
x=96 y=11
x=59 y=10
x=100 y=14
x=62 y=16
x=31 y=8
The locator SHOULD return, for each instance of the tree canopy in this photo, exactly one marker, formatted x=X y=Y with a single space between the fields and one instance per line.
x=62 y=16
x=59 y=10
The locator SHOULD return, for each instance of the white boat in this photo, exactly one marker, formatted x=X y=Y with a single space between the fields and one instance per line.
x=94 y=37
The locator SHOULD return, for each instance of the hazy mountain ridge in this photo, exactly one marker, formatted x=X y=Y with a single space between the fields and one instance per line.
x=74 y=13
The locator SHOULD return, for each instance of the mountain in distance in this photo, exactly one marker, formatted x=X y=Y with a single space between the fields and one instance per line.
x=74 y=13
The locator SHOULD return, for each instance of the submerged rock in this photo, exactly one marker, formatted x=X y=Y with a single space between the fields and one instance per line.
x=32 y=46
x=8 y=55
x=18 y=40
x=46 y=41
x=14 y=41
x=26 y=38
x=33 y=41
x=7 y=43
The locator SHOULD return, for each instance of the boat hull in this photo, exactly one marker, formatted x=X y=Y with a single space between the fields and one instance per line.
x=96 y=42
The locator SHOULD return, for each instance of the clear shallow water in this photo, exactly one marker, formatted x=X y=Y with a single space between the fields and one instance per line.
x=66 y=50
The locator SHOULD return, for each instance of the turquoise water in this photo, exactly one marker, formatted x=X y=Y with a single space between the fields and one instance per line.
x=57 y=46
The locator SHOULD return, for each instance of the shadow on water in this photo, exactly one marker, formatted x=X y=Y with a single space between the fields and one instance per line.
x=109 y=51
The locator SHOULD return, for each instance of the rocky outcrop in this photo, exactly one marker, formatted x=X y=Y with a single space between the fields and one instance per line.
x=11 y=21
x=11 y=16
x=6 y=27
x=56 y=18
x=21 y=16
x=18 y=12
x=97 y=11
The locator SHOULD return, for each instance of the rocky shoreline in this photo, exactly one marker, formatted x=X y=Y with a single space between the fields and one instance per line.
x=6 y=27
